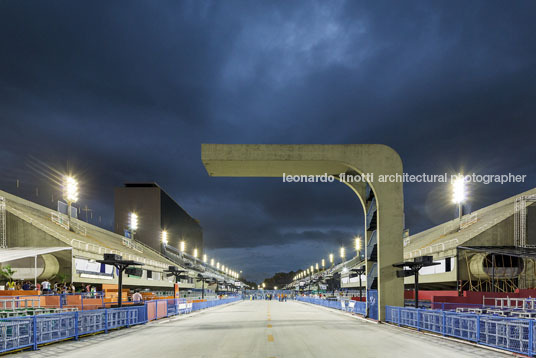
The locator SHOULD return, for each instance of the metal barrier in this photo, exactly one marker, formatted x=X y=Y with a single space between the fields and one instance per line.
x=345 y=305
x=19 y=333
x=31 y=331
x=511 y=334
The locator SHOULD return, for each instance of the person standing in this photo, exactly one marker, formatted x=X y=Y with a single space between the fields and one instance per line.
x=46 y=286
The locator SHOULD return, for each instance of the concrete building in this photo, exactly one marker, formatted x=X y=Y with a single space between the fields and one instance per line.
x=156 y=212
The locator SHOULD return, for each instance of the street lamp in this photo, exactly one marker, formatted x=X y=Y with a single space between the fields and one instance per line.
x=458 y=194
x=132 y=224
x=164 y=237
x=323 y=263
x=211 y=262
x=316 y=266
x=218 y=265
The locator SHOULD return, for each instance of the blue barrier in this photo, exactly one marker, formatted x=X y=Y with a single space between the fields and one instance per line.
x=358 y=307
x=507 y=333
x=29 y=332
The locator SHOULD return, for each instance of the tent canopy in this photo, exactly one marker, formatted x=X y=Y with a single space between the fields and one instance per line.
x=16 y=253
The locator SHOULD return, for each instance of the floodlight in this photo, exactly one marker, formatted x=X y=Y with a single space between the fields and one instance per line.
x=182 y=246
x=164 y=237
x=195 y=253
x=70 y=189
x=458 y=190
x=358 y=243
x=205 y=259
x=133 y=221
x=331 y=258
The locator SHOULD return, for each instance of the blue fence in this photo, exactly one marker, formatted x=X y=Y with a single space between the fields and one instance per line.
x=29 y=332
x=347 y=306
x=511 y=334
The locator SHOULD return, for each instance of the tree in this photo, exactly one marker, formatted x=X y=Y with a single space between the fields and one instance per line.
x=61 y=277
x=7 y=273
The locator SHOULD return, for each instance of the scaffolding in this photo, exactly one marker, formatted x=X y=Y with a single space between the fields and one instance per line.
x=3 y=237
x=520 y=220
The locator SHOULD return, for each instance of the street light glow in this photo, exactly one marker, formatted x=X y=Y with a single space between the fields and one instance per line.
x=458 y=190
x=133 y=221
x=195 y=253
x=342 y=252
x=183 y=246
x=331 y=258
x=70 y=189
x=164 y=237
x=323 y=263
x=205 y=259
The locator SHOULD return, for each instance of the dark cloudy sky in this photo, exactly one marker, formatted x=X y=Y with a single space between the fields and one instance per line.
x=128 y=90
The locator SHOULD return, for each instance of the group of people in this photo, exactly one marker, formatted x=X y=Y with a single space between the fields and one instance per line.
x=46 y=287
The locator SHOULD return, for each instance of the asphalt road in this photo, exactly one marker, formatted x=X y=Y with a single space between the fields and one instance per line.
x=263 y=329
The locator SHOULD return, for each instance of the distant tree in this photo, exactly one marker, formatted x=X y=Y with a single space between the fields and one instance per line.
x=61 y=277
x=7 y=273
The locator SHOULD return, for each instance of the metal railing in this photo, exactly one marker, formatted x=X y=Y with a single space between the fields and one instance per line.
x=31 y=331
x=507 y=333
x=351 y=306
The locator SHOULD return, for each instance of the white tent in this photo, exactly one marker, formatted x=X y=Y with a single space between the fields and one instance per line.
x=17 y=253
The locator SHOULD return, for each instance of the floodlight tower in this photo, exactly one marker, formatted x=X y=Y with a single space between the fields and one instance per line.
x=164 y=237
x=331 y=259
x=458 y=194
x=70 y=194
x=133 y=224
x=358 y=246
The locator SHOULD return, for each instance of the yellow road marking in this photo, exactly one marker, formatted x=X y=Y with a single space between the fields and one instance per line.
x=270 y=338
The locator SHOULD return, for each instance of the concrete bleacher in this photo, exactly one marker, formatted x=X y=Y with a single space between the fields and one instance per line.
x=93 y=239
x=447 y=236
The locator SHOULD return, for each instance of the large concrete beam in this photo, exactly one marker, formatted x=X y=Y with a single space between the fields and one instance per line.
x=270 y=160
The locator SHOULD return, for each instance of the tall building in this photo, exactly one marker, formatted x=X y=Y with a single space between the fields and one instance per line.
x=156 y=212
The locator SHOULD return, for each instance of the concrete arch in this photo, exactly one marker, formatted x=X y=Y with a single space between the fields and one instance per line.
x=272 y=160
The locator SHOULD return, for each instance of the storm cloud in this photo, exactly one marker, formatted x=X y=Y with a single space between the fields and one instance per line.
x=127 y=91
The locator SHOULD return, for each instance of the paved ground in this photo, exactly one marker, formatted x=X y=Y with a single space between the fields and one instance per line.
x=263 y=329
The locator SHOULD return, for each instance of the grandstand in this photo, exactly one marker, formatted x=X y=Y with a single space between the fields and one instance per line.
x=32 y=228
x=490 y=249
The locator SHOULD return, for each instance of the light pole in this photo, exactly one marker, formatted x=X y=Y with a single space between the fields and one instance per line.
x=342 y=252
x=331 y=259
x=70 y=194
